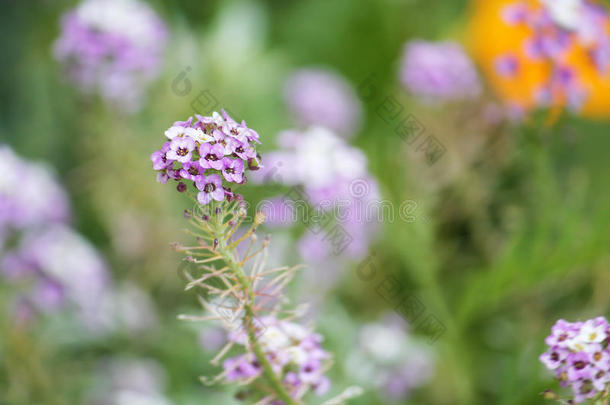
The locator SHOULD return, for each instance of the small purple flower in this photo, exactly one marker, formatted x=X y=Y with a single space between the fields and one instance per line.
x=211 y=156
x=533 y=48
x=233 y=170
x=600 y=358
x=514 y=14
x=601 y=377
x=210 y=188
x=553 y=359
x=233 y=130
x=244 y=151
x=181 y=149
x=292 y=379
x=240 y=368
x=561 y=332
x=321 y=386
x=507 y=65
x=159 y=158
x=583 y=390
x=229 y=144
x=191 y=171
x=162 y=177
x=310 y=371
x=184 y=124
x=251 y=135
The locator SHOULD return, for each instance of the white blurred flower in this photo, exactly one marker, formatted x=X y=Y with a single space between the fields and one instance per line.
x=566 y=13
x=128 y=18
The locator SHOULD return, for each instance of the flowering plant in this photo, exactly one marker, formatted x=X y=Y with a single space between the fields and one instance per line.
x=579 y=355
x=279 y=360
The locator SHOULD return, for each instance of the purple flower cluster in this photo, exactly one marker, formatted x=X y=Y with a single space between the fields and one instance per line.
x=320 y=97
x=205 y=152
x=295 y=354
x=579 y=355
x=114 y=47
x=29 y=195
x=38 y=251
x=557 y=26
x=61 y=268
x=439 y=71
x=334 y=177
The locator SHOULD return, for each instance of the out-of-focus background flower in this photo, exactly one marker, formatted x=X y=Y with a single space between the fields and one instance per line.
x=456 y=152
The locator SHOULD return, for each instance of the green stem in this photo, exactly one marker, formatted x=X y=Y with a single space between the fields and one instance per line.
x=238 y=272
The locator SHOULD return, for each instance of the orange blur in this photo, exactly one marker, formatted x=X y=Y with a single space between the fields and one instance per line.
x=490 y=37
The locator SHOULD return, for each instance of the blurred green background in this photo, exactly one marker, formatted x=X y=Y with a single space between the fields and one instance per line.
x=512 y=225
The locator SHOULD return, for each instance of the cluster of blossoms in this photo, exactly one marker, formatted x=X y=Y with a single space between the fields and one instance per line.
x=204 y=152
x=114 y=47
x=557 y=28
x=48 y=264
x=390 y=360
x=320 y=97
x=439 y=71
x=293 y=351
x=33 y=232
x=21 y=185
x=579 y=355
x=56 y=266
x=334 y=177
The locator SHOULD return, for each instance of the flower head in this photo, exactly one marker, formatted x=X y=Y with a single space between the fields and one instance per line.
x=113 y=47
x=293 y=351
x=579 y=356
x=205 y=149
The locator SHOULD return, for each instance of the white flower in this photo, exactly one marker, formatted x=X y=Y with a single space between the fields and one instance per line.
x=322 y=157
x=173 y=132
x=294 y=330
x=381 y=342
x=196 y=134
x=567 y=13
x=296 y=354
x=592 y=333
x=132 y=19
x=274 y=339
x=217 y=119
